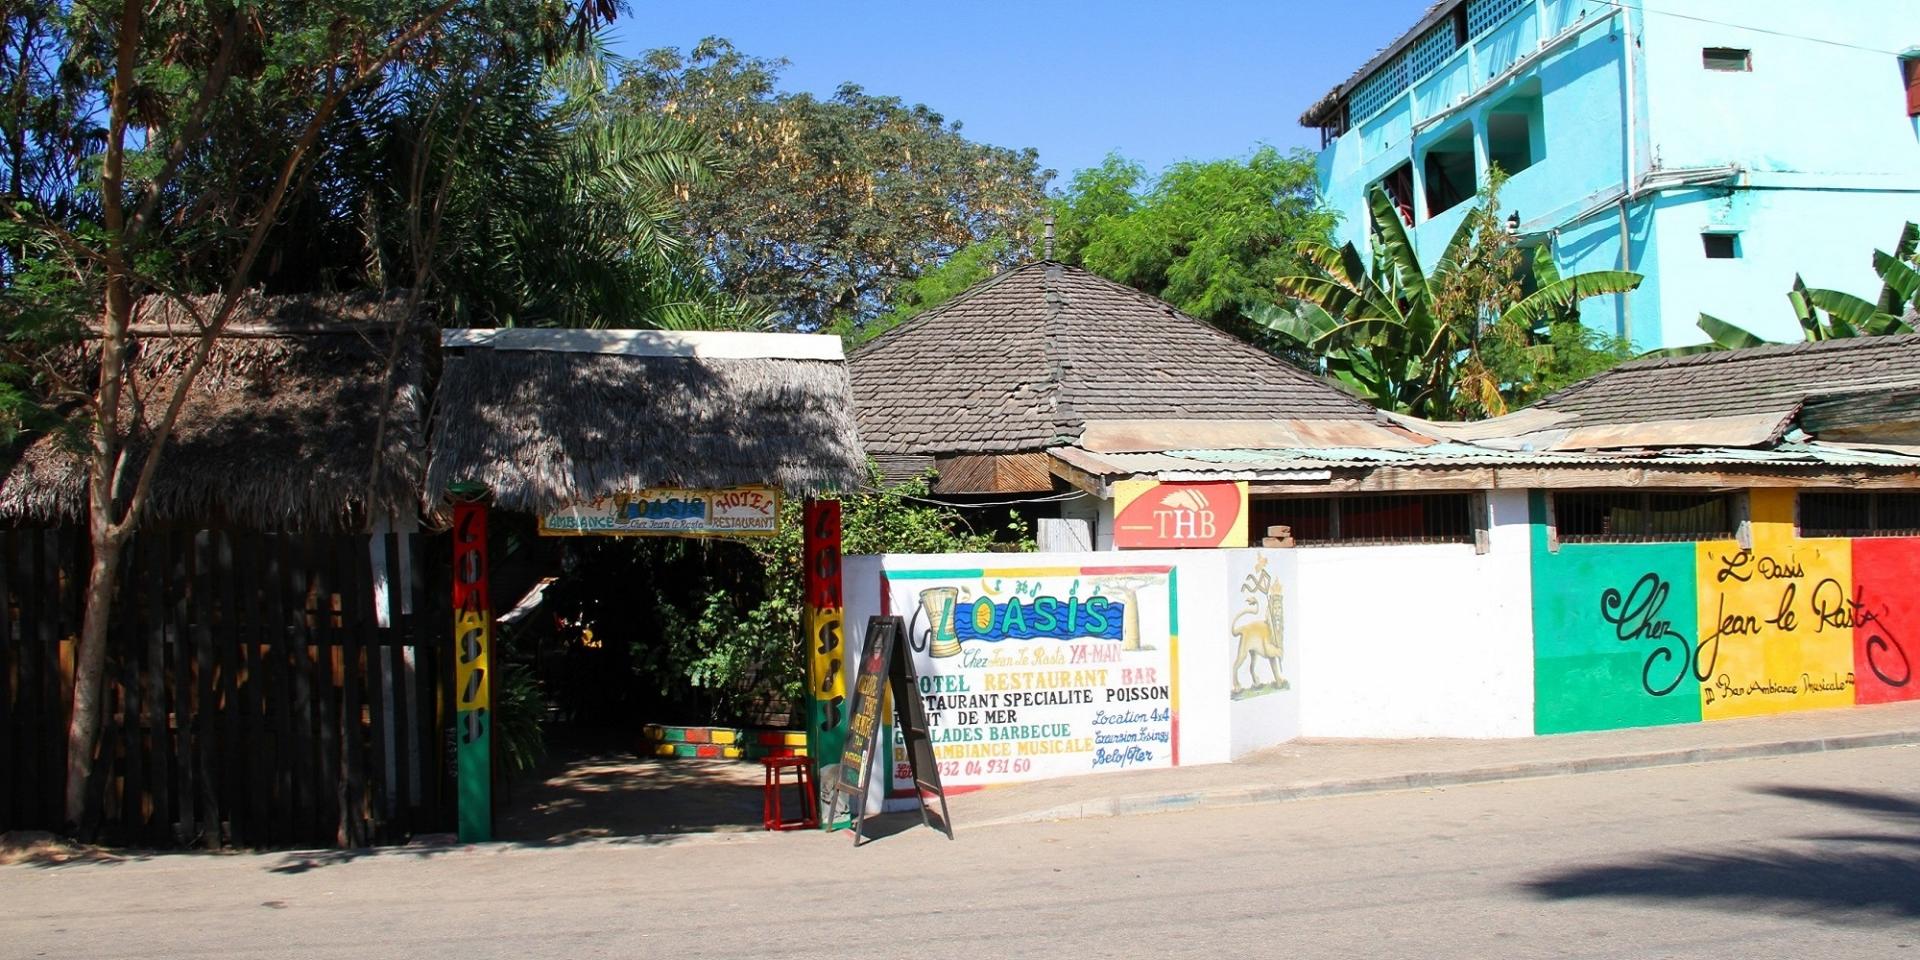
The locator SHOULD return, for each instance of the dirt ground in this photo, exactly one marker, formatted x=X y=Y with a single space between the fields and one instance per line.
x=586 y=792
x=42 y=848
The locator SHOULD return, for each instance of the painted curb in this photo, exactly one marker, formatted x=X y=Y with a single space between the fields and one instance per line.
x=1247 y=795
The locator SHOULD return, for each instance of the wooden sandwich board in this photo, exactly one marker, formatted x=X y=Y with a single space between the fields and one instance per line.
x=886 y=674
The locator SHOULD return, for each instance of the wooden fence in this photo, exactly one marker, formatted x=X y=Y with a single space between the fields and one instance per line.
x=263 y=690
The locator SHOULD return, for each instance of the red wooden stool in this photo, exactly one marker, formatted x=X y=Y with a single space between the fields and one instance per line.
x=770 y=809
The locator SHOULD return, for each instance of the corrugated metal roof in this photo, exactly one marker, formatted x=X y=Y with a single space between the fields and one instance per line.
x=1335 y=455
x=699 y=344
x=1153 y=436
x=1252 y=464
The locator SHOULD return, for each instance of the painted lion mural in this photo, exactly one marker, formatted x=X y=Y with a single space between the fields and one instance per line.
x=1260 y=630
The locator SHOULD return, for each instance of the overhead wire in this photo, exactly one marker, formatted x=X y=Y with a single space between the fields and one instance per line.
x=1763 y=30
x=1051 y=498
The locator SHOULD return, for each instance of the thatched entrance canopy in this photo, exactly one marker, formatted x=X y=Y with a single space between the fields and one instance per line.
x=547 y=418
x=278 y=430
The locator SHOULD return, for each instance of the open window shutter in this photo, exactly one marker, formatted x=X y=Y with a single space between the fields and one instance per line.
x=1912 y=68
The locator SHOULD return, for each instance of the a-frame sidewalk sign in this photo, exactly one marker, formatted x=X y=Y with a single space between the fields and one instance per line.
x=886 y=665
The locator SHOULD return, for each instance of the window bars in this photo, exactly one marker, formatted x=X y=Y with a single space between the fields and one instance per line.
x=1832 y=514
x=1643 y=517
x=1368 y=518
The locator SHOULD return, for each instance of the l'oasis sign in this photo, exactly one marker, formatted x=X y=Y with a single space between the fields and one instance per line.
x=670 y=512
x=1149 y=514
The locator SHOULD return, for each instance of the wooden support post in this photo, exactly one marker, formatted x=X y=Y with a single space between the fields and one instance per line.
x=824 y=630
x=473 y=647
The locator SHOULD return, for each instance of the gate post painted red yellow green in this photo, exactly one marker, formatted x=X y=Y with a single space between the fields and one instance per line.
x=823 y=627
x=473 y=648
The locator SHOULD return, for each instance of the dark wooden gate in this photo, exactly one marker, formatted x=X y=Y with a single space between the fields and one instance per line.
x=262 y=690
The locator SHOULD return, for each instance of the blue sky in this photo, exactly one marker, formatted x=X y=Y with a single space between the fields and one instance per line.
x=1075 y=79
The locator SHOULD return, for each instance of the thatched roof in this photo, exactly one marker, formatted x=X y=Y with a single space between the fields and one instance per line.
x=277 y=432
x=545 y=418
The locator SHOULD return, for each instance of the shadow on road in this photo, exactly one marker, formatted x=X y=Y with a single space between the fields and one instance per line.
x=1885 y=806
x=600 y=794
x=880 y=826
x=597 y=795
x=1844 y=874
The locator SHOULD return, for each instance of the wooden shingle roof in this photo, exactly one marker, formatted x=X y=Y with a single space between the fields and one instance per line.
x=1759 y=380
x=1023 y=361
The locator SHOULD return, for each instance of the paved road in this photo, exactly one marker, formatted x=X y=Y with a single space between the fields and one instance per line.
x=1800 y=857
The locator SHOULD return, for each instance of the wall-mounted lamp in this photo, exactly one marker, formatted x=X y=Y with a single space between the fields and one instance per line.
x=1513 y=223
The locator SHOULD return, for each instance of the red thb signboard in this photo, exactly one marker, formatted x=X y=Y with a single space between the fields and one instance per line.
x=1152 y=515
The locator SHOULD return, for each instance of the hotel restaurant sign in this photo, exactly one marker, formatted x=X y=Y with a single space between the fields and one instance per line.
x=752 y=511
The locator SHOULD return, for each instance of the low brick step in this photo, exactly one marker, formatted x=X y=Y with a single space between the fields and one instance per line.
x=665 y=740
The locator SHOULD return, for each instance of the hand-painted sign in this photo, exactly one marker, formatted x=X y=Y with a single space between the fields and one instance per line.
x=671 y=512
x=1638 y=634
x=863 y=732
x=1149 y=514
x=1042 y=671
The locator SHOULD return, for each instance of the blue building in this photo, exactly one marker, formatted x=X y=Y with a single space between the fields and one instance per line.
x=1716 y=146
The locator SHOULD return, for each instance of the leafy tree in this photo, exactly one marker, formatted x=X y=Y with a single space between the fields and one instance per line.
x=834 y=203
x=973 y=264
x=1831 y=314
x=1439 y=345
x=1208 y=237
x=1558 y=352
x=215 y=116
x=551 y=208
x=48 y=127
x=1095 y=200
x=498 y=187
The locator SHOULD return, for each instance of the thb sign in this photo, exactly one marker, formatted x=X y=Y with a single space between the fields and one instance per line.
x=1148 y=514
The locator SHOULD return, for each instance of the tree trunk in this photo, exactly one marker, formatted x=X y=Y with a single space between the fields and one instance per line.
x=112 y=521
x=89 y=668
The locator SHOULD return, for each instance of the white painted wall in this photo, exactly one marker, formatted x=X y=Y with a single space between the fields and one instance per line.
x=1431 y=640
x=1426 y=640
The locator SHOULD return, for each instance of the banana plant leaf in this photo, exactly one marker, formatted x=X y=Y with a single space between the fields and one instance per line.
x=1728 y=336
x=1900 y=284
x=1396 y=246
x=1848 y=314
x=1562 y=295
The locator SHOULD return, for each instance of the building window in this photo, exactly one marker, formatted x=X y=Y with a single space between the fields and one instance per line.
x=1642 y=517
x=1367 y=518
x=1398 y=186
x=1721 y=246
x=1910 y=71
x=1514 y=140
x=1859 y=514
x=1449 y=171
x=1727 y=59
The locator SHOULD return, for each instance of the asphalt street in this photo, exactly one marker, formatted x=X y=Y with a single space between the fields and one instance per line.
x=1802 y=857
